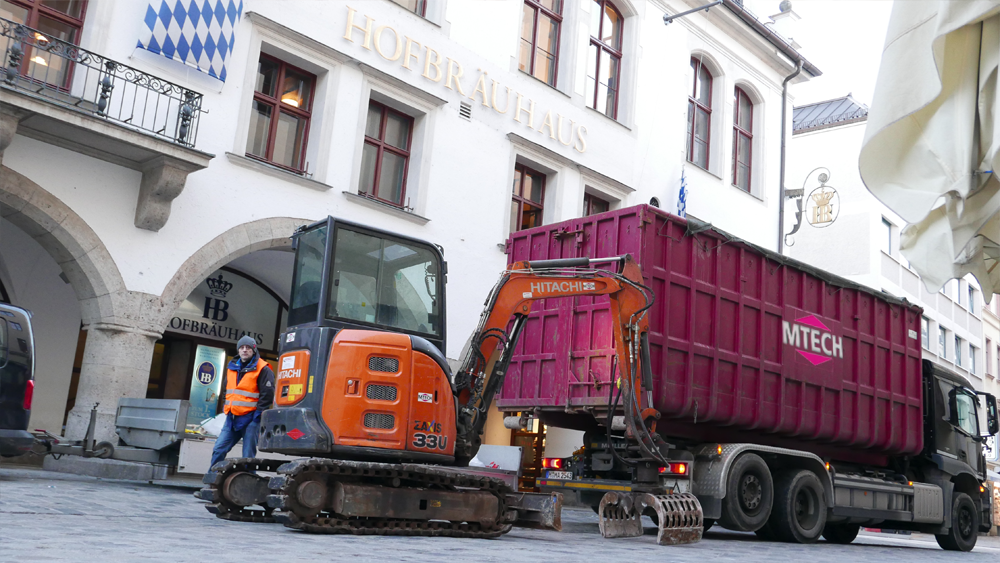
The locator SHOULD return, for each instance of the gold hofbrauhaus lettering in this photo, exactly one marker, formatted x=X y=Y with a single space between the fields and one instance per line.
x=438 y=67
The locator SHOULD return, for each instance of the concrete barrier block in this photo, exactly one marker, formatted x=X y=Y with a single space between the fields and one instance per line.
x=105 y=468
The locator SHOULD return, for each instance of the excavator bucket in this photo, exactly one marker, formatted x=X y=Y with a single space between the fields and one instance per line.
x=542 y=511
x=678 y=516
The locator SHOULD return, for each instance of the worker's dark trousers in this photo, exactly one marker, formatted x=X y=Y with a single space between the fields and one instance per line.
x=228 y=438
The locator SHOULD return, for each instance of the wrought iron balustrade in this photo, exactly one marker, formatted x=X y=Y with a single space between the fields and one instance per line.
x=66 y=75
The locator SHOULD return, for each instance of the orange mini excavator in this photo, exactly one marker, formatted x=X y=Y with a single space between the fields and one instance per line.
x=366 y=397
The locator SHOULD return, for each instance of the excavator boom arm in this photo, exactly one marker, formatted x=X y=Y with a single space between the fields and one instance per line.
x=525 y=282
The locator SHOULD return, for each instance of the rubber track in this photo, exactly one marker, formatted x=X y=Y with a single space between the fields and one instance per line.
x=227 y=511
x=422 y=476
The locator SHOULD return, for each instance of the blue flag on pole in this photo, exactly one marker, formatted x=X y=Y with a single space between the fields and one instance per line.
x=682 y=196
x=198 y=33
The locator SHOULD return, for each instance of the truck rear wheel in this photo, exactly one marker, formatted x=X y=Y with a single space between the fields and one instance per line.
x=799 y=513
x=841 y=533
x=749 y=494
x=764 y=532
x=964 y=525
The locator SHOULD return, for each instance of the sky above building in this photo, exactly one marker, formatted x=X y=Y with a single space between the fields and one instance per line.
x=844 y=38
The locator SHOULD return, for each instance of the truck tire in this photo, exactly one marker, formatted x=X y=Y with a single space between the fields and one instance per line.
x=841 y=533
x=707 y=523
x=765 y=532
x=749 y=494
x=964 y=525
x=799 y=514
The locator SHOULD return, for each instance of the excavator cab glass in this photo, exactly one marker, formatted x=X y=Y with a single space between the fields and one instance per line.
x=367 y=278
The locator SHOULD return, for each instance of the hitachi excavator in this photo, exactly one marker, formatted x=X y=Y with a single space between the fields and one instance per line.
x=386 y=431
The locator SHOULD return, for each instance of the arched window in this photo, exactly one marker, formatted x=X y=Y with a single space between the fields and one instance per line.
x=742 y=140
x=540 y=24
x=604 y=60
x=699 y=115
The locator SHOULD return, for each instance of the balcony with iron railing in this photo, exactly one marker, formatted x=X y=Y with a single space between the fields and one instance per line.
x=62 y=94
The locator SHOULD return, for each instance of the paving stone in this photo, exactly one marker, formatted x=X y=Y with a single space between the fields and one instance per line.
x=46 y=516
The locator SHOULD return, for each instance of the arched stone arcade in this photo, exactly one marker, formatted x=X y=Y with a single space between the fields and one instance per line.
x=122 y=326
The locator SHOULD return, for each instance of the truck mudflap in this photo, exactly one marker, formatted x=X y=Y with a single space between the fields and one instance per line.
x=677 y=516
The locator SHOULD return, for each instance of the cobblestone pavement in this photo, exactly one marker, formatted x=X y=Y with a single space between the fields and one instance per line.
x=48 y=516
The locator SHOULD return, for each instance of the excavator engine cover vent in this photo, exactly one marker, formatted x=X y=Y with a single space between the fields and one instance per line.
x=380 y=392
x=379 y=420
x=388 y=365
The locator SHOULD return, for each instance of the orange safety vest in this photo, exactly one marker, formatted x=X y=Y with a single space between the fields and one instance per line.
x=242 y=399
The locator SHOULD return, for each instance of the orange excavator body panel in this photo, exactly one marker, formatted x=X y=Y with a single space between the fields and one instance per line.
x=380 y=393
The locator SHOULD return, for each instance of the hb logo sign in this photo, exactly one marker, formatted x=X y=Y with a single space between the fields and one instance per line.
x=218 y=309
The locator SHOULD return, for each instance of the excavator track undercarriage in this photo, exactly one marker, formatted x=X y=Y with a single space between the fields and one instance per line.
x=331 y=496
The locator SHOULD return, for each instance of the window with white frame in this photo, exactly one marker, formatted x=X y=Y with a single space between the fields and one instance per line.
x=592 y=205
x=538 y=56
x=886 y=236
x=742 y=140
x=987 y=351
x=386 y=155
x=925 y=332
x=418 y=7
x=958 y=350
x=972 y=298
x=972 y=359
x=699 y=121
x=942 y=342
x=282 y=108
x=604 y=58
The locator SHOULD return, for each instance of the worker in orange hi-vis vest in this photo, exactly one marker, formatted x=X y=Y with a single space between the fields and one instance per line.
x=249 y=391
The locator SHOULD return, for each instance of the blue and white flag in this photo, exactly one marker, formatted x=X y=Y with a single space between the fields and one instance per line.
x=198 y=33
x=682 y=197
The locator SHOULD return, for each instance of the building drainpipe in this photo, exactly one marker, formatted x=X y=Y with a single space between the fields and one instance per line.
x=781 y=172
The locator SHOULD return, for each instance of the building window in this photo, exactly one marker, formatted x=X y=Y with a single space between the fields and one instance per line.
x=742 y=140
x=987 y=362
x=418 y=7
x=540 y=24
x=925 y=333
x=958 y=350
x=972 y=359
x=54 y=19
x=279 y=122
x=972 y=299
x=699 y=115
x=386 y=154
x=886 y=236
x=592 y=205
x=942 y=340
x=529 y=192
x=604 y=61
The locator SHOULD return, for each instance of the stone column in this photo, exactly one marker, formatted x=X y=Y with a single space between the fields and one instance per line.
x=116 y=364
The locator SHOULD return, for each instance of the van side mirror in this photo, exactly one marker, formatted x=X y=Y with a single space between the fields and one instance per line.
x=992 y=419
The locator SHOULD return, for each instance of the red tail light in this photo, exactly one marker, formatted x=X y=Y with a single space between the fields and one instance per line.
x=552 y=463
x=29 y=393
x=675 y=469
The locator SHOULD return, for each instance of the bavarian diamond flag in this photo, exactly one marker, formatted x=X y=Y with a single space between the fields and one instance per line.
x=198 y=33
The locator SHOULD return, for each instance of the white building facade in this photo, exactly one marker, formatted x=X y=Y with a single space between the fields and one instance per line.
x=122 y=218
x=862 y=241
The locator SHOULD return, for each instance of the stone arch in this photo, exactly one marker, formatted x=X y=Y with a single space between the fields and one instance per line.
x=240 y=240
x=751 y=90
x=711 y=63
x=75 y=247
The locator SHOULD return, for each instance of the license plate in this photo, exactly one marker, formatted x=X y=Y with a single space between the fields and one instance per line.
x=564 y=475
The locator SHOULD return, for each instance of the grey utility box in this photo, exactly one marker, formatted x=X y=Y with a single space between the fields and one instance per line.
x=151 y=423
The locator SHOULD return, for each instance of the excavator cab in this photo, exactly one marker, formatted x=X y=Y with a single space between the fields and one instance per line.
x=363 y=352
x=377 y=281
